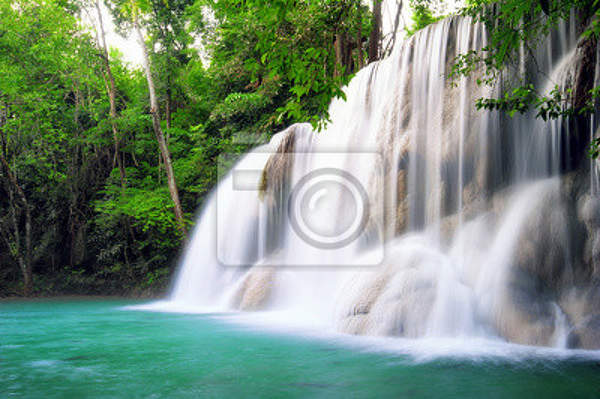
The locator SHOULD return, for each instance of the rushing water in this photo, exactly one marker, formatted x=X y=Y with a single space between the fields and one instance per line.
x=471 y=229
x=89 y=349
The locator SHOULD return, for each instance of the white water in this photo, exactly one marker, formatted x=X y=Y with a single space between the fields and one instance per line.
x=451 y=191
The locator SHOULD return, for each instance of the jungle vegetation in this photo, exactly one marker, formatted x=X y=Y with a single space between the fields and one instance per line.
x=103 y=164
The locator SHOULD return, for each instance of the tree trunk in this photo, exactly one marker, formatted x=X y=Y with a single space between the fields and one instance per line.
x=112 y=98
x=360 y=62
x=339 y=51
x=375 y=38
x=27 y=269
x=168 y=105
x=392 y=41
x=160 y=137
x=24 y=259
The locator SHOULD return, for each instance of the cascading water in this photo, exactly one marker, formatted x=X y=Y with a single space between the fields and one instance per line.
x=467 y=231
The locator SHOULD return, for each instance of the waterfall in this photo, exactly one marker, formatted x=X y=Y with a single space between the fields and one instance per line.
x=453 y=220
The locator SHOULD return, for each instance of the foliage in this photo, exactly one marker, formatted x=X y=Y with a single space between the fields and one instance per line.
x=422 y=16
x=521 y=98
x=516 y=26
x=284 y=50
x=228 y=75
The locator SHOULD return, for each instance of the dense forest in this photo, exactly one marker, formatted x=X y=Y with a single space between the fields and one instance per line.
x=103 y=164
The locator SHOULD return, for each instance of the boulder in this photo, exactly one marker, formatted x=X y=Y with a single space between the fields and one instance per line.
x=523 y=314
x=394 y=300
x=254 y=291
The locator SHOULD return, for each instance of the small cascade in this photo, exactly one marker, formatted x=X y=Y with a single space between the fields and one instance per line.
x=203 y=279
x=561 y=328
x=413 y=214
x=595 y=163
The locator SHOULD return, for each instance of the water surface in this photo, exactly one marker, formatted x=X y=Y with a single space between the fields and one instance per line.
x=96 y=349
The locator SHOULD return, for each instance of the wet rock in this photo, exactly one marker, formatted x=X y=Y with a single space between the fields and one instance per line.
x=583 y=80
x=589 y=210
x=396 y=300
x=402 y=203
x=542 y=247
x=525 y=315
x=255 y=289
x=355 y=315
x=276 y=173
x=595 y=254
x=589 y=214
x=400 y=309
x=586 y=335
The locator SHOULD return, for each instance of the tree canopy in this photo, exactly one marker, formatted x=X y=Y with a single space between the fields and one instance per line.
x=86 y=199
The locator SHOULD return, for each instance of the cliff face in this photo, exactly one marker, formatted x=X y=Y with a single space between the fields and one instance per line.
x=490 y=225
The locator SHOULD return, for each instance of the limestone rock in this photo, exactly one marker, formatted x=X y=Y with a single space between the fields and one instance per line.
x=586 y=335
x=523 y=315
x=255 y=289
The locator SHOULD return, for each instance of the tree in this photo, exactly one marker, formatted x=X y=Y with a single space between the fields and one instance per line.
x=111 y=89
x=84 y=206
x=298 y=53
x=160 y=137
x=46 y=66
x=375 y=38
x=20 y=250
x=133 y=10
x=422 y=16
